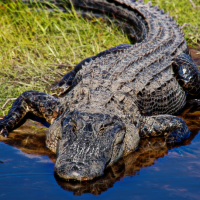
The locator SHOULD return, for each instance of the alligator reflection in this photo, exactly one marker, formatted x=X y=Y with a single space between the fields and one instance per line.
x=149 y=151
x=32 y=140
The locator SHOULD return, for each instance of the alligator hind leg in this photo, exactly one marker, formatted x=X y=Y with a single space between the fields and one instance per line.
x=187 y=74
x=37 y=103
x=171 y=126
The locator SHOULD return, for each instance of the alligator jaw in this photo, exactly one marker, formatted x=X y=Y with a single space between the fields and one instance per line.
x=80 y=171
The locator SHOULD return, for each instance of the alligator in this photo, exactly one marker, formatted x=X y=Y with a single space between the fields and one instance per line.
x=118 y=96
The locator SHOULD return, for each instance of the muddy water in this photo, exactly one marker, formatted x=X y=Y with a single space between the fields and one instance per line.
x=154 y=171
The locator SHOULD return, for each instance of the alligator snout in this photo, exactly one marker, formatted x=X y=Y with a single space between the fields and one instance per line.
x=80 y=171
x=89 y=143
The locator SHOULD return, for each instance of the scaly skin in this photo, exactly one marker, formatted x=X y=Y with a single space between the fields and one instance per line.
x=117 y=96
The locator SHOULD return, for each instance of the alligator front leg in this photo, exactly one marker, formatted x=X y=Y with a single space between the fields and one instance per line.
x=171 y=126
x=187 y=74
x=37 y=103
x=66 y=82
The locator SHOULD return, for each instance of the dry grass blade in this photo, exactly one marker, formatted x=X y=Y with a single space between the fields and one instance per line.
x=3 y=107
x=193 y=5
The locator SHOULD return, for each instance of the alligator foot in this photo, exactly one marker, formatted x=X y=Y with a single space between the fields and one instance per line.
x=177 y=136
x=173 y=127
x=3 y=131
x=187 y=74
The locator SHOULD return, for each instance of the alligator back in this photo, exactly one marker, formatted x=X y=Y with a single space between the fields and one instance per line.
x=140 y=74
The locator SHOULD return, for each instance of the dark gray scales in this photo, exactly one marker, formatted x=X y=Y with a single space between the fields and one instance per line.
x=118 y=96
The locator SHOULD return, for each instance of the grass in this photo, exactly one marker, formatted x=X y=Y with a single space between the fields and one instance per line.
x=38 y=48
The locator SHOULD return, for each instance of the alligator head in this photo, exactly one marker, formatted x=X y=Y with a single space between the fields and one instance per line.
x=88 y=143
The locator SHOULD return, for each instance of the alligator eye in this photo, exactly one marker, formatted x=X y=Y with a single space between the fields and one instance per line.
x=102 y=128
x=74 y=127
x=69 y=124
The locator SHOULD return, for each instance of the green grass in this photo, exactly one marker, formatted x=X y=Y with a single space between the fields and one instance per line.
x=38 y=48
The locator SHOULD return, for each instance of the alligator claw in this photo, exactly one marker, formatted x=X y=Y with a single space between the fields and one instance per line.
x=4 y=132
x=177 y=136
x=64 y=90
x=65 y=83
x=55 y=87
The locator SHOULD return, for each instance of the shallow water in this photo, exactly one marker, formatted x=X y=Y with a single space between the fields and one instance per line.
x=154 y=171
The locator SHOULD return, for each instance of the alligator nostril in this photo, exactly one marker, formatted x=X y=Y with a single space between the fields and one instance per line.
x=75 y=168
x=79 y=170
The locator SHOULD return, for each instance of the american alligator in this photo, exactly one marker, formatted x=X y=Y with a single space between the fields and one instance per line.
x=118 y=96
